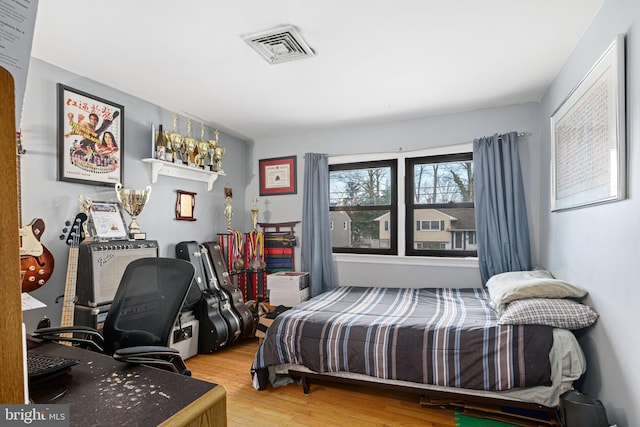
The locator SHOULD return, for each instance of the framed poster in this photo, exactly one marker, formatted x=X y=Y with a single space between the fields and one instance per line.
x=90 y=138
x=588 y=140
x=278 y=176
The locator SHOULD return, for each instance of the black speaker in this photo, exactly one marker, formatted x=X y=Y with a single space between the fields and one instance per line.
x=101 y=265
x=580 y=410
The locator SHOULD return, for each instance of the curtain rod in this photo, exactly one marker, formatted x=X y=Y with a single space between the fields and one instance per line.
x=520 y=134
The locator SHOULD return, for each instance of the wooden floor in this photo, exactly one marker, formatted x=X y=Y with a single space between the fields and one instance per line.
x=326 y=405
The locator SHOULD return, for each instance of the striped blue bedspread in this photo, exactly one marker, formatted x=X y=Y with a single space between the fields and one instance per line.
x=442 y=336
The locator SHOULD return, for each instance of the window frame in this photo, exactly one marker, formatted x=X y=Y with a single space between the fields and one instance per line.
x=392 y=207
x=410 y=207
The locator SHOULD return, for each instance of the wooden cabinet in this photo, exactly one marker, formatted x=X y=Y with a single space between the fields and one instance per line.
x=12 y=356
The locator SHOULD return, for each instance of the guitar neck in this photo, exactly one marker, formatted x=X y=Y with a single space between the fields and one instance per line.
x=70 y=289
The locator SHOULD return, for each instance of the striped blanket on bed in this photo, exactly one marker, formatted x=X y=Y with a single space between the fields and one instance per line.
x=447 y=337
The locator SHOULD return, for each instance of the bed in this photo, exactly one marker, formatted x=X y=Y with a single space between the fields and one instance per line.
x=439 y=342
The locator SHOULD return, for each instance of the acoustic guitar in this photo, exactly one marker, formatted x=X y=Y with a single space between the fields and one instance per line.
x=74 y=238
x=36 y=261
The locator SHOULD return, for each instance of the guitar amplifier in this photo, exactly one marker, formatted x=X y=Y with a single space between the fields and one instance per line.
x=102 y=264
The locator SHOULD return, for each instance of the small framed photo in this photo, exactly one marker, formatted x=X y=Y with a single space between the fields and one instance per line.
x=278 y=176
x=185 y=205
x=588 y=139
x=90 y=138
x=106 y=221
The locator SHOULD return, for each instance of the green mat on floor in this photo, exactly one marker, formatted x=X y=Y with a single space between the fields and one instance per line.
x=469 y=421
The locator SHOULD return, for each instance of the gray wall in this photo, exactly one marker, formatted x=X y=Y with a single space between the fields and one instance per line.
x=405 y=136
x=55 y=202
x=597 y=247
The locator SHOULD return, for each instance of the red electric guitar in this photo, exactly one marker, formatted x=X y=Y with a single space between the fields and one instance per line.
x=36 y=262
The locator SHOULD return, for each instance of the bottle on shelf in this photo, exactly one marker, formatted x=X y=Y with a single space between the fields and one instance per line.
x=161 y=145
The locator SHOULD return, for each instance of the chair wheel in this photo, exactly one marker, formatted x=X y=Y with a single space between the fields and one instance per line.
x=186 y=372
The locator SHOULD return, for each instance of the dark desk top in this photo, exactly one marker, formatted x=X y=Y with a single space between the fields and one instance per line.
x=103 y=391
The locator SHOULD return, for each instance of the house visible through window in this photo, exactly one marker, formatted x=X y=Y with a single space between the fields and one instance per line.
x=440 y=202
x=439 y=214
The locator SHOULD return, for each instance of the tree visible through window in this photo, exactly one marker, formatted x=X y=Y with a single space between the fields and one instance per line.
x=363 y=195
x=438 y=199
x=440 y=203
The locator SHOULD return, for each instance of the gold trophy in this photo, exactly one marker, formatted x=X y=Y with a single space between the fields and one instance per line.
x=228 y=208
x=216 y=152
x=203 y=149
x=190 y=145
x=133 y=202
x=175 y=140
x=219 y=152
x=254 y=213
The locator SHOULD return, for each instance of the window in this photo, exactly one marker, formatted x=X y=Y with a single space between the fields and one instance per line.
x=439 y=200
x=436 y=217
x=364 y=196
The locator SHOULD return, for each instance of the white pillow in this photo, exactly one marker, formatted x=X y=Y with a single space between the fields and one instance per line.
x=559 y=313
x=515 y=285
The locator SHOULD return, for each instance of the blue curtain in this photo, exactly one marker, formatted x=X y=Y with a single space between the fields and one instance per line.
x=315 y=248
x=501 y=218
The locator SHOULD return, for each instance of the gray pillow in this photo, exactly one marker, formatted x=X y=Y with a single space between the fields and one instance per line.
x=514 y=285
x=559 y=313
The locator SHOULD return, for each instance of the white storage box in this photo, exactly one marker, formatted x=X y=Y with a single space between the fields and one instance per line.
x=288 y=298
x=185 y=339
x=292 y=281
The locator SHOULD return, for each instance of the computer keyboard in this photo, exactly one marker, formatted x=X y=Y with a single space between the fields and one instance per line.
x=40 y=366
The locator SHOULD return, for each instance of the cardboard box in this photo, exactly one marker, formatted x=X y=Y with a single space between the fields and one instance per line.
x=291 y=281
x=288 y=298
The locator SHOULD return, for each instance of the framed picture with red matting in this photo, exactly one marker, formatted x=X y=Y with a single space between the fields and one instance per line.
x=278 y=176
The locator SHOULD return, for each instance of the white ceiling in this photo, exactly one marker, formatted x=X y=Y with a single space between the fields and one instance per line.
x=377 y=60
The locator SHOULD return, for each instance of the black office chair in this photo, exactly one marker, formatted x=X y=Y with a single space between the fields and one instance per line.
x=141 y=318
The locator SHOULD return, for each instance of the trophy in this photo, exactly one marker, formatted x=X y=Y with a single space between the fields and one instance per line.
x=216 y=152
x=228 y=208
x=175 y=142
x=203 y=149
x=133 y=202
x=190 y=145
x=254 y=213
x=219 y=152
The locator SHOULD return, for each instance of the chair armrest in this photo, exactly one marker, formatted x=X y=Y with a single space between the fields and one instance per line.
x=83 y=336
x=163 y=357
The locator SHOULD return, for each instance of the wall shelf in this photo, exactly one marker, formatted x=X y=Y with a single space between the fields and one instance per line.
x=160 y=167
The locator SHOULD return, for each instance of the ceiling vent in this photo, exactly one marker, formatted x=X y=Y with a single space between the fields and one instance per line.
x=280 y=44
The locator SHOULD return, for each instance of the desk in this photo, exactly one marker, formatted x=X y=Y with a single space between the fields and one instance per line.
x=104 y=392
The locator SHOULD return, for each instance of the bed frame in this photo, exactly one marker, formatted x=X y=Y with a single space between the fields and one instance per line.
x=507 y=410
